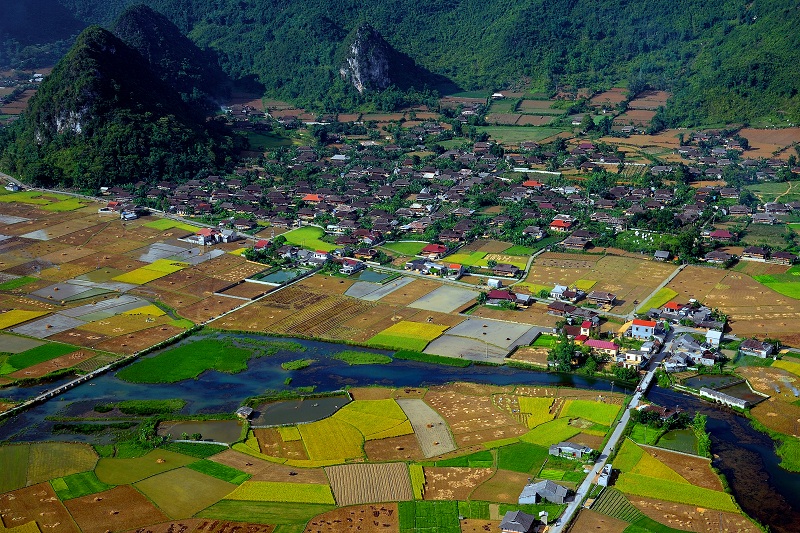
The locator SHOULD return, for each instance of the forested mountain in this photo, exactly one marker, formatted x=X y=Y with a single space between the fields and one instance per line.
x=104 y=117
x=724 y=59
x=179 y=63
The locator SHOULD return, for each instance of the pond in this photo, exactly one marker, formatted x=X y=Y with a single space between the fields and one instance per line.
x=711 y=381
x=225 y=431
x=282 y=276
x=297 y=411
x=372 y=276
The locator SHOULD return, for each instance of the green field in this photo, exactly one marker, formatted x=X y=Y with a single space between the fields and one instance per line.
x=550 y=433
x=522 y=457
x=545 y=341
x=183 y=492
x=167 y=223
x=34 y=356
x=124 y=471
x=764 y=235
x=644 y=435
x=429 y=517
x=600 y=413
x=352 y=357
x=28 y=197
x=517 y=134
x=770 y=191
x=407 y=335
x=309 y=237
x=50 y=460
x=16 y=283
x=518 y=250
x=661 y=489
x=614 y=504
x=267 y=141
x=200 y=450
x=14 y=466
x=481 y=459
x=658 y=300
x=220 y=471
x=264 y=512
x=405 y=247
x=274 y=491
x=65 y=205
x=186 y=362
x=78 y=485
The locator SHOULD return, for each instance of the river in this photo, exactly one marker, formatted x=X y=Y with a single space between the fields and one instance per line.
x=745 y=456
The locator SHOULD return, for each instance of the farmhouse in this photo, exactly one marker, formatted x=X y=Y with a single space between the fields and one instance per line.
x=756 y=348
x=755 y=252
x=662 y=255
x=604 y=347
x=505 y=270
x=601 y=298
x=560 y=225
x=351 y=266
x=434 y=251
x=498 y=297
x=784 y=258
x=643 y=329
x=535 y=492
x=517 y=522
x=569 y=449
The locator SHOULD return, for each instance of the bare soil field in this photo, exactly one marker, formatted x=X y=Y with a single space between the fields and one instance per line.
x=326 y=284
x=692 y=518
x=503 y=487
x=611 y=97
x=249 y=99
x=770 y=143
x=118 y=509
x=411 y=292
x=250 y=291
x=177 y=280
x=589 y=520
x=19 y=104
x=206 y=287
x=764 y=380
x=531 y=106
x=651 y=100
x=370 y=483
x=271 y=443
x=640 y=117
x=40 y=503
x=209 y=308
x=404 y=448
x=472 y=525
x=531 y=355
x=372 y=393
x=360 y=518
x=453 y=483
x=752 y=308
x=503 y=119
x=267 y=471
x=134 y=342
x=594 y=442
x=696 y=470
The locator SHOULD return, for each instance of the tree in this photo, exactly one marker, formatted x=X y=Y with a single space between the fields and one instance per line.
x=491 y=263
x=562 y=353
x=481 y=298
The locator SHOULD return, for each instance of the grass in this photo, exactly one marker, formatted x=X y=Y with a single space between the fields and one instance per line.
x=125 y=471
x=77 y=485
x=417 y=474
x=409 y=248
x=661 y=489
x=765 y=235
x=16 y=283
x=537 y=409
x=220 y=471
x=34 y=356
x=433 y=359
x=18 y=316
x=297 y=364
x=375 y=419
x=769 y=191
x=522 y=457
x=309 y=237
x=275 y=491
x=332 y=440
x=600 y=413
x=266 y=141
x=186 y=362
x=14 y=466
x=150 y=407
x=658 y=300
x=550 y=433
x=264 y=512
x=517 y=134
x=166 y=223
x=352 y=357
x=183 y=492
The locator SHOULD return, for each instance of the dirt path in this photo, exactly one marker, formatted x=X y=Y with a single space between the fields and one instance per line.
x=791 y=184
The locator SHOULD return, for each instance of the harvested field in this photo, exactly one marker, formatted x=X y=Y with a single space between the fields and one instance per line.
x=404 y=448
x=271 y=443
x=122 y=471
x=612 y=97
x=470 y=416
x=692 y=518
x=267 y=471
x=361 y=519
x=777 y=415
x=200 y=525
x=50 y=460
x=134 y=342
x=696 y=470
x=208 y=308
x=39 y=503
x=503 y=119
x=250 y=291
x=650 y=100
x=473 y=525
x=589 y=520
x=535 y=120
x=430 y=428
x=370 y=483
x=453 y=483
x=637 y=117
x=764 y=380
x=65 y=361
x=503 y=487
x=531 y=355
x=769 y=143
x=371 y=393
x=119 y=509
x=183 y=492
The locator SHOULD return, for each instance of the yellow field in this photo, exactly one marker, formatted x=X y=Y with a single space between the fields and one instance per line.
x=585 y=284
x=375 y=419
x=332 y=440
x=537 y=409
x=420 y=330
x=155 y=270
x=789 y=366
x=18 y=316
x=289 y=433
x=151 y=310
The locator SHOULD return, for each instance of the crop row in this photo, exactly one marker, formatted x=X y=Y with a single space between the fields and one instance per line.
x=614 y=504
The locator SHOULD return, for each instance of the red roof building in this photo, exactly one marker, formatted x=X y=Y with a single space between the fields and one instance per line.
x=602 y=346
x=560 y=225
x=673 y=306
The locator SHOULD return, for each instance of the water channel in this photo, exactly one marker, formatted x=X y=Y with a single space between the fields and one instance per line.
x=745 y=456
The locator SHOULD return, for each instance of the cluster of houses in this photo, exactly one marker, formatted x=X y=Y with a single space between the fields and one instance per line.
x=752 y=253
x=691 y=313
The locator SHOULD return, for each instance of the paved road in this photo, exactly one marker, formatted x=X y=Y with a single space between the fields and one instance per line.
x=616 y=435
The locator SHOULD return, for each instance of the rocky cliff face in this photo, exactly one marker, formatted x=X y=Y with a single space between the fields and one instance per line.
x=367 y=59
